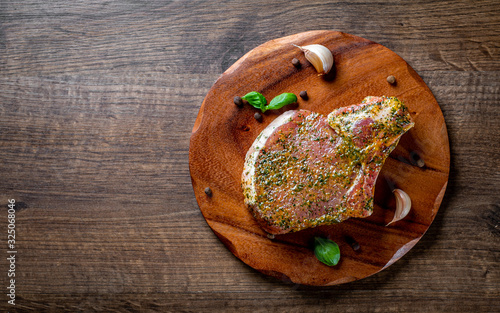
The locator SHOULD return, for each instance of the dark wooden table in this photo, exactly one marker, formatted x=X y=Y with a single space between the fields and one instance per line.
x=97 y=103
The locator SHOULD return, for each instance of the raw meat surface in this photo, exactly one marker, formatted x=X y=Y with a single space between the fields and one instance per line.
x=306 y=170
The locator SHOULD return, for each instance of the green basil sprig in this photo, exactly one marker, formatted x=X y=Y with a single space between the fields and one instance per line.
x=280 y=101
x=327 y=251
x=258 y=101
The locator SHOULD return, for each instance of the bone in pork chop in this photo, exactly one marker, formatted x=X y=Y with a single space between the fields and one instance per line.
x=306 y=170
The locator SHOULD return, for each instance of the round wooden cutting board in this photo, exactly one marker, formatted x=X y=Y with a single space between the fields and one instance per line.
x=223 y=133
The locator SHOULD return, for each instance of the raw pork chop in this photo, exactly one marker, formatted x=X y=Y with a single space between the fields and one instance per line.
x=305 y=170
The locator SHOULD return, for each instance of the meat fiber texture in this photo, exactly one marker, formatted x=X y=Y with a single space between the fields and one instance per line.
x=306 y=170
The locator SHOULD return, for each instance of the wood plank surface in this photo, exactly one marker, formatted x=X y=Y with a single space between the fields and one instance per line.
x=97 y=104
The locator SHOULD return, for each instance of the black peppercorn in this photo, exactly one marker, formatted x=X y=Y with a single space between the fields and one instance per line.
x=303 y=95
x=296 y=62
x=208 y=191
x=415 y=159
x=258 y=116
x=391 y=80
x=353 y=243
x=238 y=101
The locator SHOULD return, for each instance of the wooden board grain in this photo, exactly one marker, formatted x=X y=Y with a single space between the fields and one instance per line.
x=223 y=133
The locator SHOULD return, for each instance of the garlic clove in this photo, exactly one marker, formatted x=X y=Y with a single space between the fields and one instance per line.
x=320 y=57
x=403 y=205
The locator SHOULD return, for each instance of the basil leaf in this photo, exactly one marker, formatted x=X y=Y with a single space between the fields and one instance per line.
x=256 y=99
x=327 y=251
x=280 y=101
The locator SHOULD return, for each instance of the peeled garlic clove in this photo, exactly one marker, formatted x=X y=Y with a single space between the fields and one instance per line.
x=403 y=205
x=319 y=56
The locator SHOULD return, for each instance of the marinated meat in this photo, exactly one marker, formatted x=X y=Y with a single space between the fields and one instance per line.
x=306 y=170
